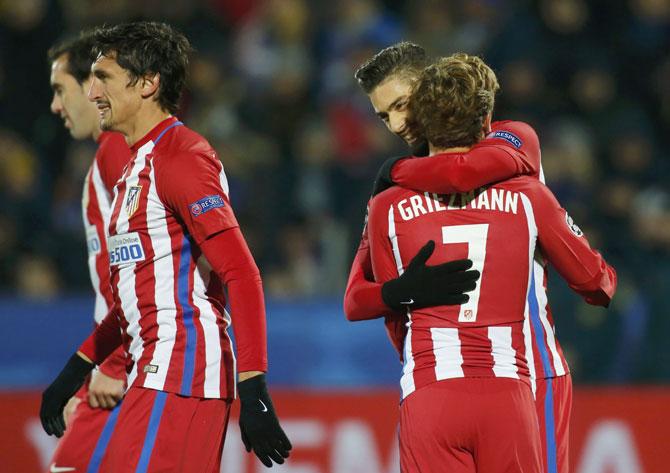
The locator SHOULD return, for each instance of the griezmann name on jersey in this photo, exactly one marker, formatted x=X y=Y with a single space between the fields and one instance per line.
x=499 y=228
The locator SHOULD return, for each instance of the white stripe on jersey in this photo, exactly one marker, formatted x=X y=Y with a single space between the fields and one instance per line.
x=210 y=330
x=104 y=199
x=224 y=181
x=504 y=355
x=227 y=318
x=394 y=242
x=549 y=334
x=541 y=294
x=528 y=343
x=103 y=207
x=163 y=284
x=527 y=335
x=407 y=378
x=447 y=350
x=126 y=284
x=92 y=260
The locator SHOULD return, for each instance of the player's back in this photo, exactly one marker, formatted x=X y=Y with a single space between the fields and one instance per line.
x=487 y=336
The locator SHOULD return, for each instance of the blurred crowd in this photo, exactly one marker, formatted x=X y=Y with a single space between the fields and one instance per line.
x=271 y=87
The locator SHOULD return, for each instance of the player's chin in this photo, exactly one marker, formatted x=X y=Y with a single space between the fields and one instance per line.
x=106 y=124
x=77 y=135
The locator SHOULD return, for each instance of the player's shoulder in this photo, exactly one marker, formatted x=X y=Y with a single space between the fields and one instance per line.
x=382 y=201
x=186 y=146
x=530 y=186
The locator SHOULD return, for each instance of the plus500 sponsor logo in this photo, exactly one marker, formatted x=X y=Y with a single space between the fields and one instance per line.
x=125 y=249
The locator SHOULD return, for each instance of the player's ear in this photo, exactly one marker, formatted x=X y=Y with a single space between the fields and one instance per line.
x=150 y=84
x=487 y=123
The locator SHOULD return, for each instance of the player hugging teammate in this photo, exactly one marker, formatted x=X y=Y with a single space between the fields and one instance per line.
x=485 y=384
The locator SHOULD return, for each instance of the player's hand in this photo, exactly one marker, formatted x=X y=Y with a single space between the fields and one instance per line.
x=383 y=180
x=105 y=391
x=69 y=409
x=427 y=286
x=54 y=398
x=259 y=425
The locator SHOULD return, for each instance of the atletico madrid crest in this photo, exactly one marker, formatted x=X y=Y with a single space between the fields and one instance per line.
x=133 y=199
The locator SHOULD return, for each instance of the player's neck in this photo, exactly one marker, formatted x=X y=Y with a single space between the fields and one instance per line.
x=433 y=150
x=145 y=121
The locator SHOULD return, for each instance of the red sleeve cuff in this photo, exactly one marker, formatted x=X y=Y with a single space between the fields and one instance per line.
x=104 y=340
x=115 y=364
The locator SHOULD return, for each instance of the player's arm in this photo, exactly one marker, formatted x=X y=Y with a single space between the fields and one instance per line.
x=103 y=341
x=114 y=365
x=193 y=188
x=511 y=149
x=366 y=297
x=567 y=249
x=108 y=383
x=363 y=295
x=229 y=256
x=384 y=269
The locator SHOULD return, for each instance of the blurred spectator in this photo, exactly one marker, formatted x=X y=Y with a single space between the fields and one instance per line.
x=36 y=277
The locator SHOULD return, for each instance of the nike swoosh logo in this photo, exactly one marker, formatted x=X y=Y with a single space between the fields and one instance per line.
x=409 y=302
x=60 y=469
x=265 y=408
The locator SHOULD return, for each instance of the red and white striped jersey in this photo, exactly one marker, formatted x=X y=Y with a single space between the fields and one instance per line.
x=110 y=159
x=173 y=195
x=498 y=228
x=520 y=145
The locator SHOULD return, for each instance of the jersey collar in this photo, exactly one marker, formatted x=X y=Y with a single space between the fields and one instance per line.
x=154 y=133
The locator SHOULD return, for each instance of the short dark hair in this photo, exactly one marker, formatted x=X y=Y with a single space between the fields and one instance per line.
x=401 y=58
x=79 y=51
x=146 y=47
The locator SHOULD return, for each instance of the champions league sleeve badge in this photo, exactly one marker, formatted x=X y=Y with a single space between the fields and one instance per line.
x=573 y=226
x=132 y=200
x=206 y=204
x=507 y=136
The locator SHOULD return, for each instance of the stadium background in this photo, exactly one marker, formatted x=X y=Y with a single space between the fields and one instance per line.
x=272 y=88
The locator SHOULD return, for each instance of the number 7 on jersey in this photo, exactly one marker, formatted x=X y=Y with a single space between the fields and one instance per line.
x=475 y=237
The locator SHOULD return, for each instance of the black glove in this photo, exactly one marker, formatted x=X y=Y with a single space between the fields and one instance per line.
x=383 y=180
x=259 y=424
x=427 y=286
x=54 y=398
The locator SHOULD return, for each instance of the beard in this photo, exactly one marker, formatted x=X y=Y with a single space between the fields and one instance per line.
x=106 y=124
